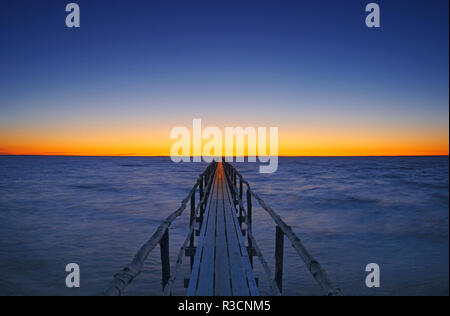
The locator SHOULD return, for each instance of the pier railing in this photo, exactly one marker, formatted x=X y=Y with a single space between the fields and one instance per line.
x=236 y=183
x=161 y=237
x=244 y=209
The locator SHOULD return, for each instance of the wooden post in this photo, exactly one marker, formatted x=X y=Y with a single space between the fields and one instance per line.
x=191 y=244
x=234 y=185
x=249 y=221
x=279 y=252
x=165 y=258
x=210 y=173
x=201 y=198
x=241 y=219
x=235 y=182
x=240 y=187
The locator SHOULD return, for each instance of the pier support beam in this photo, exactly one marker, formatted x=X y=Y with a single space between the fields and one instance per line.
x=192 y=222
x=202 y=208
x=241 y=217
x=249 y=223
x=279 y=256
x=165 y=258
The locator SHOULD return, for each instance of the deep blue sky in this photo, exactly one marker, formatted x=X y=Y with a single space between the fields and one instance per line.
x=278 y=62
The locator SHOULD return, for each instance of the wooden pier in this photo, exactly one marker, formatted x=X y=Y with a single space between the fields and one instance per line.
x=221 y=260
x=222 y=265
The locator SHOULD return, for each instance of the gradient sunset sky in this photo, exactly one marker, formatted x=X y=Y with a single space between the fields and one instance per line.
x=136 y=69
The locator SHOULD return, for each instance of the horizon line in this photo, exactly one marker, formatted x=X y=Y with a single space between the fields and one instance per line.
x=167 y=156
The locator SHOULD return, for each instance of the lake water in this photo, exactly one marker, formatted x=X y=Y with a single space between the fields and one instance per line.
x=98 y=211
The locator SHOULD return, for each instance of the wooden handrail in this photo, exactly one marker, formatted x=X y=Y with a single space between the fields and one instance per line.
x=168 y=288
x=313 y=266
x=126 y=275
x=272 y=283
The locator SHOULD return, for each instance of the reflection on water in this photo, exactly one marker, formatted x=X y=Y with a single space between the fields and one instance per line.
x=348 y=211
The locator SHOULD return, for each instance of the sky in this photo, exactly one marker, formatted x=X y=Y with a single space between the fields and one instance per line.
x=136 y=69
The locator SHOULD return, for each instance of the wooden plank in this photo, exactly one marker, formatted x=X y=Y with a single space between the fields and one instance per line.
x=222 y=274
x=253 y=288
x=238 y=278
x=206 y=278
x=198 y=255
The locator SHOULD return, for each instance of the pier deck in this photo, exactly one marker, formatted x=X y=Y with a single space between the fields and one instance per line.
x=221 y=265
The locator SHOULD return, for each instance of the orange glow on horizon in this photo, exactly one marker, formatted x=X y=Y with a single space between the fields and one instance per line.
x=307 y=141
